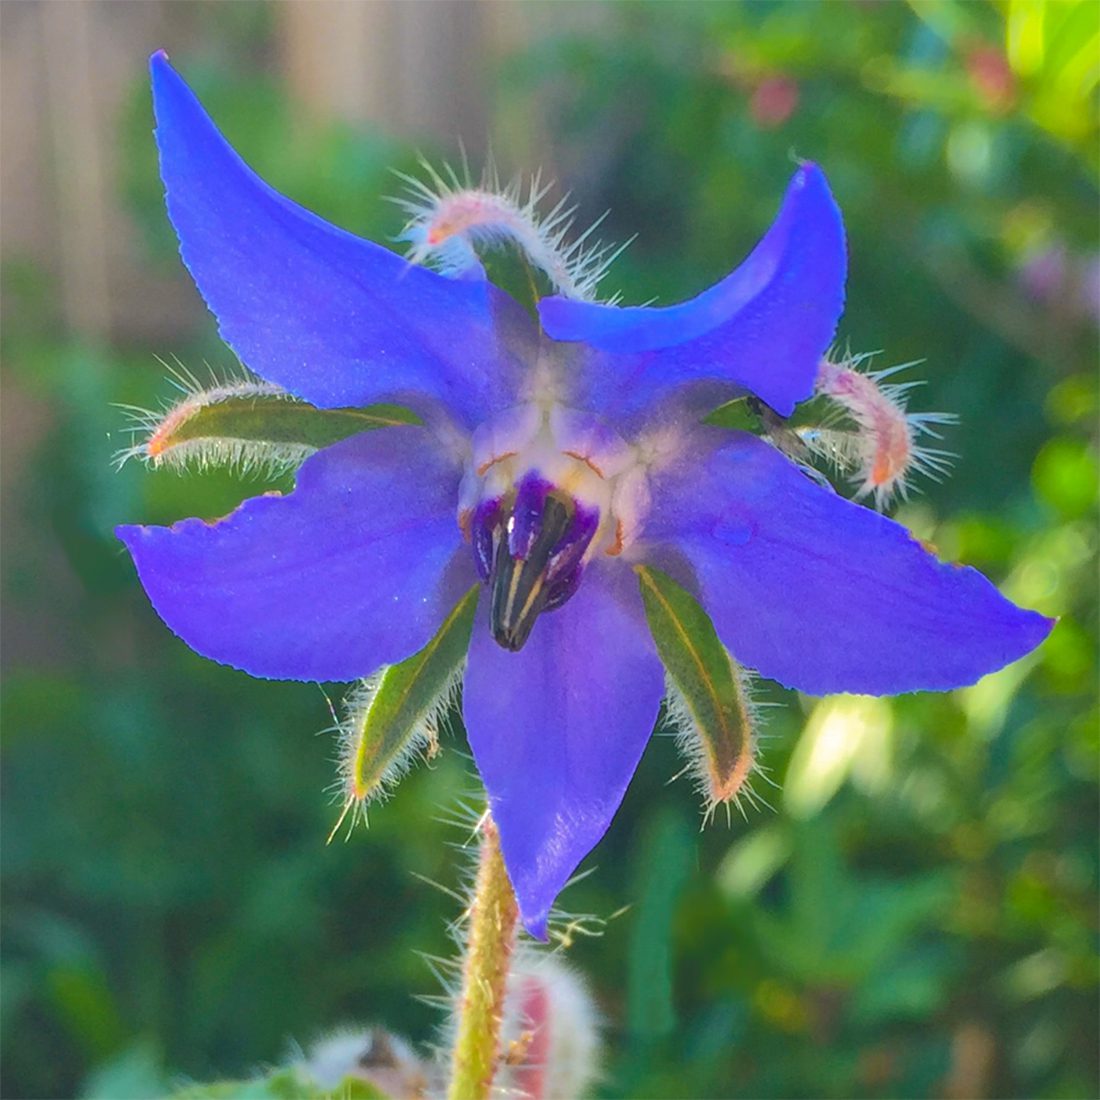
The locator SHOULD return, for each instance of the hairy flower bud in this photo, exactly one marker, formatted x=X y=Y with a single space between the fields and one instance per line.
x=550 y=1037
x=373 y=1056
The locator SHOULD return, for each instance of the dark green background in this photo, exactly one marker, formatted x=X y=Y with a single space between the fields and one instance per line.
x=915 y=917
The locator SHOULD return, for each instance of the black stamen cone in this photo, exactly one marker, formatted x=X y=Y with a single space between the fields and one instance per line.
x=518 y=588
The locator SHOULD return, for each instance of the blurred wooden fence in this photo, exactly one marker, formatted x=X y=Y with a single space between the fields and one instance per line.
x=420 y=70
x=415 y=68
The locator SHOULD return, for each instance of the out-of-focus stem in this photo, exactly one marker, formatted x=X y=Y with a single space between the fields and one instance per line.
x=490 y=940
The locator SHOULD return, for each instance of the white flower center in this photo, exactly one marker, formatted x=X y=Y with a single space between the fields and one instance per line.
x=572 y=451
x=546 y=489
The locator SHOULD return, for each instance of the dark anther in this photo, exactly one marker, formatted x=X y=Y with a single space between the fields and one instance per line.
x=537 y=561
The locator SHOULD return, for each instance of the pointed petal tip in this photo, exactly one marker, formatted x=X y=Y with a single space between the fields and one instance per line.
x=1037 y=629
x=824 y=595
x=536 y=924
x=334 y=319
x=160 y=71
x=811 y=176
x=763 y=328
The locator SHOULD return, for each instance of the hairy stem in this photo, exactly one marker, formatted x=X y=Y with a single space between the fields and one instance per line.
x=490 y=940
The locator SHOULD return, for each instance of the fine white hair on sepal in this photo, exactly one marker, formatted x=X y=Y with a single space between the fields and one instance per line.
x=731 y=784
x=154 y=431
x=420 y=742
x=450 y=217
x=872 y=436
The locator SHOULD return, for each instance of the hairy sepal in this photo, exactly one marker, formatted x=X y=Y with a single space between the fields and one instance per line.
x=392 y=718
x=708 y=700
x=450 y=219
x=248 y=426
x=875 y=439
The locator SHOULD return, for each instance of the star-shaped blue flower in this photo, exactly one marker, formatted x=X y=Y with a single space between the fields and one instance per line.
x=547 y=466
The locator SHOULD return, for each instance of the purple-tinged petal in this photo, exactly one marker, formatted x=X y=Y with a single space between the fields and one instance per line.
x=335 y=319
x=762 y=329
x=558 y=728
x=356 y=568
x=822 y=594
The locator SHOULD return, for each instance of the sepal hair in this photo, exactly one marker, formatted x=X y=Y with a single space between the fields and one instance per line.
x=874 y=437
x=727 y=784
x=161 y=440
x=358 y=786
x=449 y=219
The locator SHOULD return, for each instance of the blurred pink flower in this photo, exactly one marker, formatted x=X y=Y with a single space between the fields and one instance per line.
x=991 y=77
x=773 y=101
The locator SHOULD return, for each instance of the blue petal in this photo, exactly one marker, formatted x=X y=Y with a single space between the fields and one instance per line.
x=333 y=318
x=822 y=594
x=762 y=329
x=558 y=728
x=354 y=569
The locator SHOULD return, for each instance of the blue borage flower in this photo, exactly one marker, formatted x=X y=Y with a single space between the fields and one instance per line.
x=547 y=465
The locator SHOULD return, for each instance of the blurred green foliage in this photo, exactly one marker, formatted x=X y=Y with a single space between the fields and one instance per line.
x=917 y=917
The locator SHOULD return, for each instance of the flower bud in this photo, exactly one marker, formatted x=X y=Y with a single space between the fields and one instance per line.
x=371 y=1055
x=550 y=1035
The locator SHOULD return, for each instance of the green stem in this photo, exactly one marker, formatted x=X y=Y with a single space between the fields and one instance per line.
x=491 y=937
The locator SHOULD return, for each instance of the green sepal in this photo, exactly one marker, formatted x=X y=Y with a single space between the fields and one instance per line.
x=705 y=682
x=735 y=414
x=389 y=718
x=275 y=419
